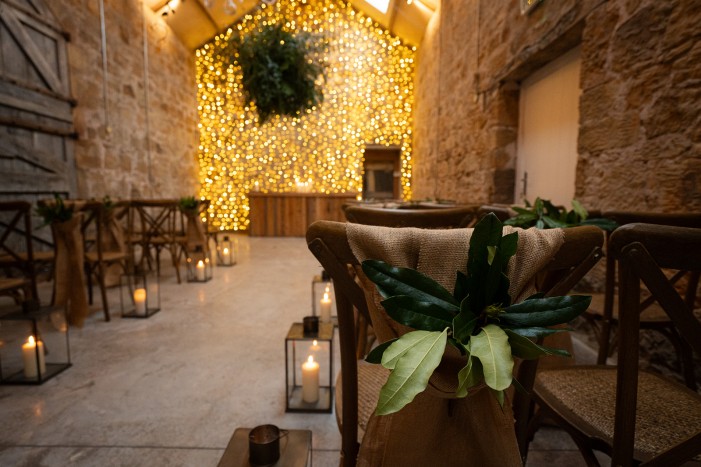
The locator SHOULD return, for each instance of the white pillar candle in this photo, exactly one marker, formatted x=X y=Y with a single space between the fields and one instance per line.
x=200 y=270
x=29 y=355
x=325 y=313
x=310 y=380
x=226 y=256
x=140 y=301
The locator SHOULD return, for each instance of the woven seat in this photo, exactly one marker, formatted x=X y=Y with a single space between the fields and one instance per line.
x=666 y=413
x=371 y=378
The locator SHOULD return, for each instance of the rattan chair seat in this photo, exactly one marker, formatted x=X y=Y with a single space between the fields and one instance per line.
x=667 y=413
x=371 y=378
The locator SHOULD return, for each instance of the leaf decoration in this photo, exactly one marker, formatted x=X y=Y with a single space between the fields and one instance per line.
x=392 y=281
x=375 y=355
x=533 y=332
x=461 y=286
x=469 y=376
x=416 y=356
x=523 y=347
x=545 y=215
x=416 y=314
x=491 y=347
x=464 y=323
x=543 y=312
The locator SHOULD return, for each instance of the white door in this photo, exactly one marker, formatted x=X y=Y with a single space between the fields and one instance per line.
x=546 y=157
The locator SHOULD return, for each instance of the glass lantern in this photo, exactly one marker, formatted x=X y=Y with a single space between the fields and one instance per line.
x=140 y=295
x=309 y=369
x=33 y=344
x=227 y=252
x=199 y=265
x=323 y=298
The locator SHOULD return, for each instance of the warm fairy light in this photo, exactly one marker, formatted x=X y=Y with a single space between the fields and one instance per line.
x=368 y=99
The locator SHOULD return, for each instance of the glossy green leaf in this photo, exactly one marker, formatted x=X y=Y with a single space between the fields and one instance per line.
x=418 y=315
x=461 y=286
x=533 y=332
x=523 y=347
x=375 y=355
x=392 y=281
x=463 y=324
x=487 y=233
x=491 y=347
x=579 y=210
x=499 y=395
x=543 y=312
x=418 y=355
x=602 y=223
x=469 y=376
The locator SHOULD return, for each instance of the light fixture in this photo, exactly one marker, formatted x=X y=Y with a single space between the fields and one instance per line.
x=169 y=7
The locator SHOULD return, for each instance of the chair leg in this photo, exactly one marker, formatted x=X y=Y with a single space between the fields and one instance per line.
x=88 y=274
x=175 y=257
x=604 y=342
x=103 y=291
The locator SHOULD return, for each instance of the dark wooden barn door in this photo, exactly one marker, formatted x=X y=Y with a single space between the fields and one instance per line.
x=36 y=121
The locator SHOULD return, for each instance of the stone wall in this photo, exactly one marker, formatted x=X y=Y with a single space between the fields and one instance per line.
x=128 y=148
x=640 y=122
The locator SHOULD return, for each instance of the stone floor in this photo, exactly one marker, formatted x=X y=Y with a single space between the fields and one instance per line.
x=171 y=389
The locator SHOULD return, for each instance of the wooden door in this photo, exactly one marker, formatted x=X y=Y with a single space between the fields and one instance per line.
x=381 y=172
x=36 y=121
x=546 y=159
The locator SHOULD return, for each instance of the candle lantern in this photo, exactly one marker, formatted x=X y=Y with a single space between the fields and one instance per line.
x=323 y=298
x=227 y=252
x=199 y=265
x=140 y=295
x=309 y=369
x=33 y=344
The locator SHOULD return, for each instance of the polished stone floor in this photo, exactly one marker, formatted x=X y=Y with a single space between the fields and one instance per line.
x=171 y=389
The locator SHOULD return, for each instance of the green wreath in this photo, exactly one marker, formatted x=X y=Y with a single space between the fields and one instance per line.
x=281 y=71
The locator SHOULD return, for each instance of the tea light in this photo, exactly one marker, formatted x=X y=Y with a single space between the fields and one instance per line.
x=226 y=256
x=325 y=311
x=200 y=270
x=29 y=355
x=315 y=347
x=310 y=380
x=140 y=301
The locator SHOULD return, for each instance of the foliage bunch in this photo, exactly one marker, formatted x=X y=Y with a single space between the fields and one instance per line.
x=280 y=72
x=478 y=319
x=55 y=211
x=545 y=215
x=188 y=203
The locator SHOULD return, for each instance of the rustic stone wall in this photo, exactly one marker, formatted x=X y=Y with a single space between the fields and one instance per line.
x=640 y=122
x=121 y=150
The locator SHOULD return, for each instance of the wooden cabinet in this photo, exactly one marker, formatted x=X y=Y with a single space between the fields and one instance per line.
x=289 y=214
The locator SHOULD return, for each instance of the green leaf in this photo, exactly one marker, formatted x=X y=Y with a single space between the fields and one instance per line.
x=579 y=210
x=545 y=311
x=491 y=253
x=393 y=281
x=469 y=376
x=461 y=285
x=602 y=223
x=419 y=353
x=464 y=323
x=522 y=347
x=552 y=223
x=487 y=233
x=375 y=355
x=540 y=224
x=533 y=332
x=416 y=314
x=499 y=396
x=491 y=347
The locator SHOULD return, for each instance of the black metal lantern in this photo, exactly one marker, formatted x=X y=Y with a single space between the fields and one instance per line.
x=227 y=252
x=323 y=298
x=199 y=265
x=309 y=369
x=33 y=344
x=140 y=295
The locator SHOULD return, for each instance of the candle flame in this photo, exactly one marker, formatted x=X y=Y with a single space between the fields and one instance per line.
x=326 y=296
x=310 y=359
x=327 y=288
x=31 y=341
x=314 y=343
x=200 y=263
x=226 y=251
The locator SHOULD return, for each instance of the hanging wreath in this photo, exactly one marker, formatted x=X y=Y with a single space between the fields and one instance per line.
x=282 y=73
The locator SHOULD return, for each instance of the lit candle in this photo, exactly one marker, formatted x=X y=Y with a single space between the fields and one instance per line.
x=325 y=309
x=200 y=270
x=29 y=355
x=315 y=348
x=226 y=256
x=256 y=186
x=140 y=301
x=310 y=380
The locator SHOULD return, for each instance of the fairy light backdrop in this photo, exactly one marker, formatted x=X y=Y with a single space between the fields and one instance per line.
x=368 y=99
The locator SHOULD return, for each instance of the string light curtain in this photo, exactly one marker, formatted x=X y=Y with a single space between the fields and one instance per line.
x=368 y=99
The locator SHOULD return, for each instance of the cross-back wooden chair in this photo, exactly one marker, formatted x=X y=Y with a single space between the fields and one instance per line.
x=359 y=383
x=16 y=250
x=433 y=218
x=154 y=227
x=633 y=415
x=603 y=313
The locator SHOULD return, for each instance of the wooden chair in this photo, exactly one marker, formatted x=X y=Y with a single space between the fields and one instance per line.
x=603 y=312
x=633 y=415
x=360 y=383
x=433 y=218
x=154 y=228
x=16 y=250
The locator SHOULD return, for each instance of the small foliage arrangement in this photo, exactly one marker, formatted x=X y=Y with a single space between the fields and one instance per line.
x=544 y=215
x=280 y=71
x=188 y=204
x=478 y=319
x=55 y=212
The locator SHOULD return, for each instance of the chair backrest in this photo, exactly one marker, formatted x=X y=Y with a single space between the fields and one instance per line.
x=328 y=241
x=16 y=237
x=426 y=218
x=643 y=250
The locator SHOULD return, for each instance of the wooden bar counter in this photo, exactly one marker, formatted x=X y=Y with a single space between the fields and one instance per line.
x=289 y=214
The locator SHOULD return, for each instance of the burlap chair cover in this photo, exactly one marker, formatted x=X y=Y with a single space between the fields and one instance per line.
x=69 y=278
x=195 y=234
x=435 y=428
x=113 y=241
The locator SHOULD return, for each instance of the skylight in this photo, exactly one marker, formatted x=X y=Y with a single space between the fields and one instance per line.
x=381 y=5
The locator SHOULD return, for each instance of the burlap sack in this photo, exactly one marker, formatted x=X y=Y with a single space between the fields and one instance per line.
x=69 y=278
